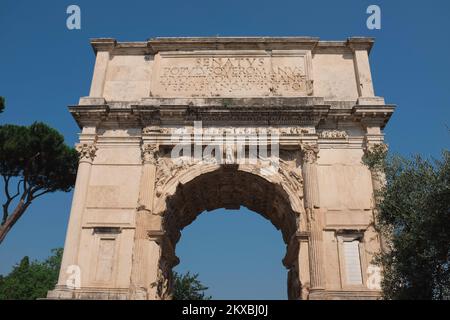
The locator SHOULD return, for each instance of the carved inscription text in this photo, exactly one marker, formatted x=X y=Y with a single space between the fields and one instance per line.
x=263 y=75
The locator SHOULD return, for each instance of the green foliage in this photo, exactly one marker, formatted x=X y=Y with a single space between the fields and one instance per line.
x=188 y=287
x=37 y=161
x=2 y=104
x=376 y=158
x=38 y=154
x=31 y=280
x=414 y=212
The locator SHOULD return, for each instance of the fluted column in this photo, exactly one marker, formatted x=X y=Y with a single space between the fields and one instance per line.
x=142 y=246
x=311 y=196
x=86 y=152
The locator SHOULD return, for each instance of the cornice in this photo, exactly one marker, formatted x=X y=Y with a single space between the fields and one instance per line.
x=375 y=115
x=360 y=43
x=303 y=111
x=155 y=45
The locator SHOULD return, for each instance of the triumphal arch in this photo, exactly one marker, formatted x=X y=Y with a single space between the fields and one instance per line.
x=176 y=126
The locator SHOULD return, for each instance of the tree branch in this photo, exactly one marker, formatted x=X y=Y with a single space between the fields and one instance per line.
x=12 y=219
x=9 y=198
x=18 y=188
x=6 y=181
x=5 y=213
x=25 y=182
x=40 y=194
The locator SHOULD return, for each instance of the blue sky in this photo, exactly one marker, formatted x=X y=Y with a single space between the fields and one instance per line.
x=45 y=67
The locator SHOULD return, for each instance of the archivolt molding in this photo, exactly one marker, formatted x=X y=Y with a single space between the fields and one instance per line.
x=172 y=173
x=277 y=196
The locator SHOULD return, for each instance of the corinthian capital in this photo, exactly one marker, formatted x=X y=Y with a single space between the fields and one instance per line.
x=309 y=152
x=150 y=153
x=86 y=151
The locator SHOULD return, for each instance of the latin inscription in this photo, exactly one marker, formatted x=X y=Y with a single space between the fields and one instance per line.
x=216 y=76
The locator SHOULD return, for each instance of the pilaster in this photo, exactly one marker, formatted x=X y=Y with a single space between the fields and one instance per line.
x=87 y=150
x=143 y=252
x=314 y=216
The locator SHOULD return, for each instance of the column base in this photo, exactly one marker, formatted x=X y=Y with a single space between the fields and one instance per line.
x=64 y=293
x=321 y=294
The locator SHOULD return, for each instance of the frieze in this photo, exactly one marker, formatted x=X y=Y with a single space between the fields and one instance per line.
x=333 y=134
x=223 y=131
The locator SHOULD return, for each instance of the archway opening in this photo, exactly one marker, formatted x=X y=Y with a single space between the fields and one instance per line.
x=230 y=187
x=237 y=254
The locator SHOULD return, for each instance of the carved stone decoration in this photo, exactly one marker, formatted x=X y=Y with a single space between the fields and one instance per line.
x=150 y=130
x=150 y=153
x=333 y=134
x=293 y=131
x=309 y=152
x=200 y=124
x=165 y=130
x=296 y=173
x=292 y=175
x=163 y=173
x=86 y=151
x=156 y=130
x=258 y=130
x=168 y=169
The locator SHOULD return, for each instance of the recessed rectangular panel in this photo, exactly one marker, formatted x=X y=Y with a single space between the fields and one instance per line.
x=352 y=262
x=105 y=260
x=233 y=74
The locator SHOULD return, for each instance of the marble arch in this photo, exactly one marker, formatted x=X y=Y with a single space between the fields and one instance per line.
x=132 y=197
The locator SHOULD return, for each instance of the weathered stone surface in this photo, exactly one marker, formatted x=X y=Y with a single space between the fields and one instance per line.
x=313 y=101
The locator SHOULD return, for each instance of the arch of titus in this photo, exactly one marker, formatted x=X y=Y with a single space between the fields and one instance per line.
x=313 y=100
